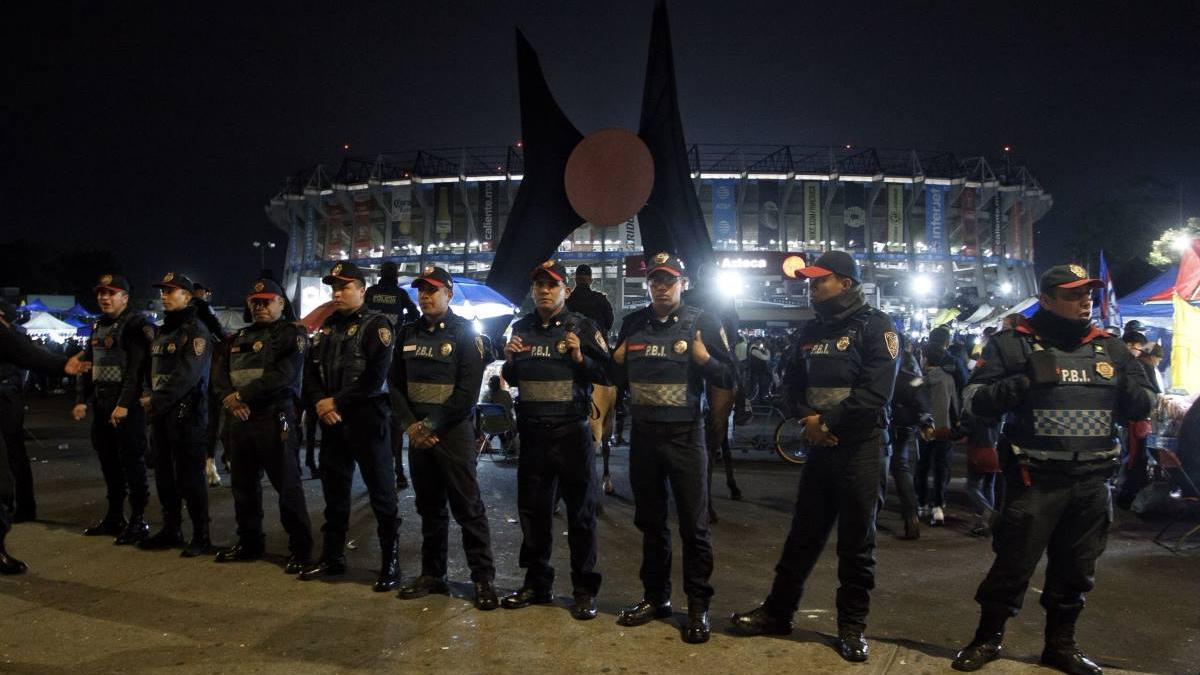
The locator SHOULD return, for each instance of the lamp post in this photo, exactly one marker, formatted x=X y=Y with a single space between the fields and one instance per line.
x=262 y=247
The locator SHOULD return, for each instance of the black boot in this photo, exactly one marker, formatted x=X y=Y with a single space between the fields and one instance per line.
x=245 y=550
x=485 y=596
x=584 y=606
x=325 y=567
x=982 y=650
x=168 y=537
x=1060 y=651
x=643 y=612
x=759 y=621
x=697 y=630
x=200 y=543
x=389 y=567
x=424 y=585
x=9 y=564
x=525 y=597
x=851 y=645
x=135 y=531
x=112 y=525
x=297 y=563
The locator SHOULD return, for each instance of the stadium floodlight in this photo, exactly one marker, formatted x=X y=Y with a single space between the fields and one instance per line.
x=1006 y=288
x=1182 y=242
x=922 y=284
x=730 y=283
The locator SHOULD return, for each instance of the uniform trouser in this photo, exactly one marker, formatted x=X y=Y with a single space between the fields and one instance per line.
x=267 y=442
x=310 y=438
x=122 y=454
x=673 y=455
x=900 y=467
x=6 y=492
x=1065 y=511
x=12 y=426
x=398 y=443
x=838 y=484
x=557 y=454
x=362 y=439
x=935 y=458
x=446 y=473
x=179 y=467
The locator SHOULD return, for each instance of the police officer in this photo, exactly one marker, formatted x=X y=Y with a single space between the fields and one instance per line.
x=16 y=349
x=259 y=386
x=345 y=382
x=553 y=358
x=120 y=351
x=217 y=418
x=667 y=351
x=437 y=374
x=177 y=405
x=387 y=298
x=12 y=427
x=840 y=383
x=1063 y=384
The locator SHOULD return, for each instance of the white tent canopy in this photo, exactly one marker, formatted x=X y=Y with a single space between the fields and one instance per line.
x=43 y=323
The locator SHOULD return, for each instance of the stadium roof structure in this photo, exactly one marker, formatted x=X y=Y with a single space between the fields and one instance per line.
x=754 y=162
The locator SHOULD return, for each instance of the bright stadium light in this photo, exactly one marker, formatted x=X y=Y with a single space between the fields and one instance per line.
x=1182 y=242
x=922 y=285
x=730 y=283
x=1006 y=288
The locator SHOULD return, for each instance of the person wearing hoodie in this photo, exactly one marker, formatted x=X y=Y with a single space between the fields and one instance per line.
x=1064 y=385
x=840 y=384
x=936 y=452
x=177 y=405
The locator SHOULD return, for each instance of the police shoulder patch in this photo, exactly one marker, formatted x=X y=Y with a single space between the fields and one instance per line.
x=301 y=343
x=479 y=345
x=893 y=343
x=148 y=331
x=385 y=336
x=198 y=346
x=725 y=339
x=600 y=341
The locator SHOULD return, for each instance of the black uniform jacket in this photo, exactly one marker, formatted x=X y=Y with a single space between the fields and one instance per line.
x=135 y=338
x=719 y=371
x=869 y=339
x=468 y=376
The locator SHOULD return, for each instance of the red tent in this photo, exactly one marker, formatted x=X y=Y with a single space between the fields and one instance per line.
x=1187 y=283
x=313 y=320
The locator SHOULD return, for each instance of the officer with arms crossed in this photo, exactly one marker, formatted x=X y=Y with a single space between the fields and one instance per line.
x=387 y=298
x=345 y=382
x=437 y=374
x=120 y=351
x=553 y=358
x=1063 y=384
x=181 y=357
x=668 y=351
x=840 y=383
x=18 y=350
x=259 y=385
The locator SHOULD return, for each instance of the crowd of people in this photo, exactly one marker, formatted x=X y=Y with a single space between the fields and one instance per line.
x=1036 y=406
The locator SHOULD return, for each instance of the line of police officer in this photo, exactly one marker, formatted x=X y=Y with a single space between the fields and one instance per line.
x=1062 y=382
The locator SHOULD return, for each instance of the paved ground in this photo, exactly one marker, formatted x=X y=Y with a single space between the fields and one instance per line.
x=90 y=607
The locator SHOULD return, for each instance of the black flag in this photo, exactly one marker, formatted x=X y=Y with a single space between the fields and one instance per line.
x=541 y=217
x=671 y=220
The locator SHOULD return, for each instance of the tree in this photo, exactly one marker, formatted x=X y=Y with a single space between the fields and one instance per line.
x=1166 y=250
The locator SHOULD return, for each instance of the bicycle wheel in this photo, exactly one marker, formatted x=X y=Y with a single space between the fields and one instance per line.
x=789 y=441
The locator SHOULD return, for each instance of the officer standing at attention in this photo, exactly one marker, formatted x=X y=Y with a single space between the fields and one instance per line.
x=259 y=386
x=438 y=372
x=12 y=427
x=667 y=351
x=840 y=383
x=554 y=357
x=387 y=298
x=345 y=382
x=1063 y=384
x=120 y=352
x=180 y=359
x=16 y=349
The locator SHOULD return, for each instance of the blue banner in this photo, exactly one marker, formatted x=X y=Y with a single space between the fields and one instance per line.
x=310 y=233
x=935 y=218
x=724 y=211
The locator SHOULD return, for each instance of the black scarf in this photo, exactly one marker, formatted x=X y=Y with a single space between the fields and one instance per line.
x=837 y=309
x=1060 y=332
x=173 y=320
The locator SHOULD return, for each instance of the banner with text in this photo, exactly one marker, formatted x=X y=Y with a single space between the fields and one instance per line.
x=895 y=215
x=489 y=195
x=970 y=223
x=935 y=218
x=812 y=214
x=724 y=212
x=768 y=212
x=854 y=216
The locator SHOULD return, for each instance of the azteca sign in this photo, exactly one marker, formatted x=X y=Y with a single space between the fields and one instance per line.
x=758 y=263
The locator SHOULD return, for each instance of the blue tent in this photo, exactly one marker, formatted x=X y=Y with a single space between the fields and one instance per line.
x=35 y=306
x=1133 y=305
x=78 y=312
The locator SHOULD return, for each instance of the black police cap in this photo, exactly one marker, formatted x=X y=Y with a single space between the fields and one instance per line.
x=553 y=268
x=265 y=289
x=436 y=276
x=664 y=262
x=111 y=282
x=344 y=272
x=1067 y=276
x=171 y=280
x=832 y=262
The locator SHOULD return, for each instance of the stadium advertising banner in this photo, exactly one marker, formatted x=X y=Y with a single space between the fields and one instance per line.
x=812 y=213
x=895 y=215
x=362 y=226
x=402 y=215
x=724 y=210
x=488 y=196
x=935 y=218
x=854 y=216
x=997 y=242
x=969 y=222
x=443 y=223
x=338 y=238
x=1014 y=229
x=768 y=211
x=310 y=233
x=631 y=232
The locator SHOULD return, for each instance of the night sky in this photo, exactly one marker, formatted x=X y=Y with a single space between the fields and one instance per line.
x=161 y=130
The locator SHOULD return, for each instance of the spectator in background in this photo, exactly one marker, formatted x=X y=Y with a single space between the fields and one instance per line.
x=1133 y=475
x=760 y=370
x=935 y=453
x=983 y=463
x=910 y=412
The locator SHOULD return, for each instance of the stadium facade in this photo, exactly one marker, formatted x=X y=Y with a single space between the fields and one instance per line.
x=928 y=228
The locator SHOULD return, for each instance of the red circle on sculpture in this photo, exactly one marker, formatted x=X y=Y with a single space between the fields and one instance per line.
x=609 y=176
